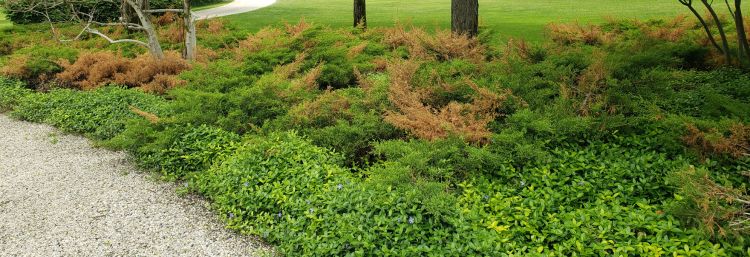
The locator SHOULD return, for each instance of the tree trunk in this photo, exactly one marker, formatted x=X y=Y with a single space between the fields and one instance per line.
x=465 y=17
x=128 y=14
x=722 y=34
x=153 y=40
x=189 y=52
x=360 y=13
x=689 y=5
x=741 y=34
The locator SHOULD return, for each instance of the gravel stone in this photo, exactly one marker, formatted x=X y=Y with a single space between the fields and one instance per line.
x=59 y=196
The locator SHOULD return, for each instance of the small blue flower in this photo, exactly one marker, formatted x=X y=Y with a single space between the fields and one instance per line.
x=411 y=220
x=307 y=201
x=312 y=210
x=186 y=184
x=279 y=215
x=231 y=215
x=247 y=184
x=398 y=220
x=523 y=182
x=486 y=197
x=339 y=186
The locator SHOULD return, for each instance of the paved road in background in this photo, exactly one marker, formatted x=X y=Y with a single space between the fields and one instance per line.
x=238 y=6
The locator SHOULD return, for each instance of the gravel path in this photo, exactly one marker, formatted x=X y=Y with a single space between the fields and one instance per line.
x=235 y=7
x=61 y=197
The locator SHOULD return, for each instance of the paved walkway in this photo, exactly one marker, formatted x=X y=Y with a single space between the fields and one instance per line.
x=238 y=6
x=59 y=196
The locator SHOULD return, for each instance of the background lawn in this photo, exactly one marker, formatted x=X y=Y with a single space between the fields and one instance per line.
x=3 y=22
x=508 y=18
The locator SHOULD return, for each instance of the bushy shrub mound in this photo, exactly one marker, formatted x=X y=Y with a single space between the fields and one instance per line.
x=93 y=70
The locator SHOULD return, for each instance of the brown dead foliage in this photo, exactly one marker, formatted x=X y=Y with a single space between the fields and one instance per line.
x=357 y=50
x=576 y=33
x=16 y=67
x=162 y=83
x=265 y=37
x=516 y=50
x=173 y=34
x=735 y=144
x=323 y=110
x=296 y=30
x=150 y=117
x=467 y=120
x=672 y=31
x=206 y=54
x=215 y=26
x=589 y=87
x=286 y=71
x=96 y=69
x=166 y=18
x=720 y=209
x=310 y=79
x=443 y=45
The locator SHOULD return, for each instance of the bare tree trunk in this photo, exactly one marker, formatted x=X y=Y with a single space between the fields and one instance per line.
x=465 y=17
x=722 y=34
x=153 y=40
x=189 y=52
x=741 y=34
x=689 y=5
x=360 y=13
x=128 y=14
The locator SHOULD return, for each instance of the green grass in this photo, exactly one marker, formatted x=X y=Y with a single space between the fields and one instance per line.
x=3 y=22
x=508 y=18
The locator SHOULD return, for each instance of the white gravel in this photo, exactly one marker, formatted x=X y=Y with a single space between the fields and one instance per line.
x=61 y=197
x=235 y=7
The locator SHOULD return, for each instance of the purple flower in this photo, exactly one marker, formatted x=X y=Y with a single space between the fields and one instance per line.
x=279 y=215
x=231 y=215
x=339 y=186
x=411 y=220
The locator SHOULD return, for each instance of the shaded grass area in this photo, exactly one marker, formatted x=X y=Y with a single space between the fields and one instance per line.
x=518 y=18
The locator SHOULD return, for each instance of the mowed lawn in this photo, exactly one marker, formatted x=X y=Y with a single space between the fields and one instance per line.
x=3 y=22
x=508 y=18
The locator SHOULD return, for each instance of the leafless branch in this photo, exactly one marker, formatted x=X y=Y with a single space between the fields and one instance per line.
x=96 y=32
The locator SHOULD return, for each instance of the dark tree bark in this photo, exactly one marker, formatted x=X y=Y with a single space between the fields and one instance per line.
x=722 y=34
x=465 y=17
x=360 y=13
x=689 y=5
x=744 y=48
